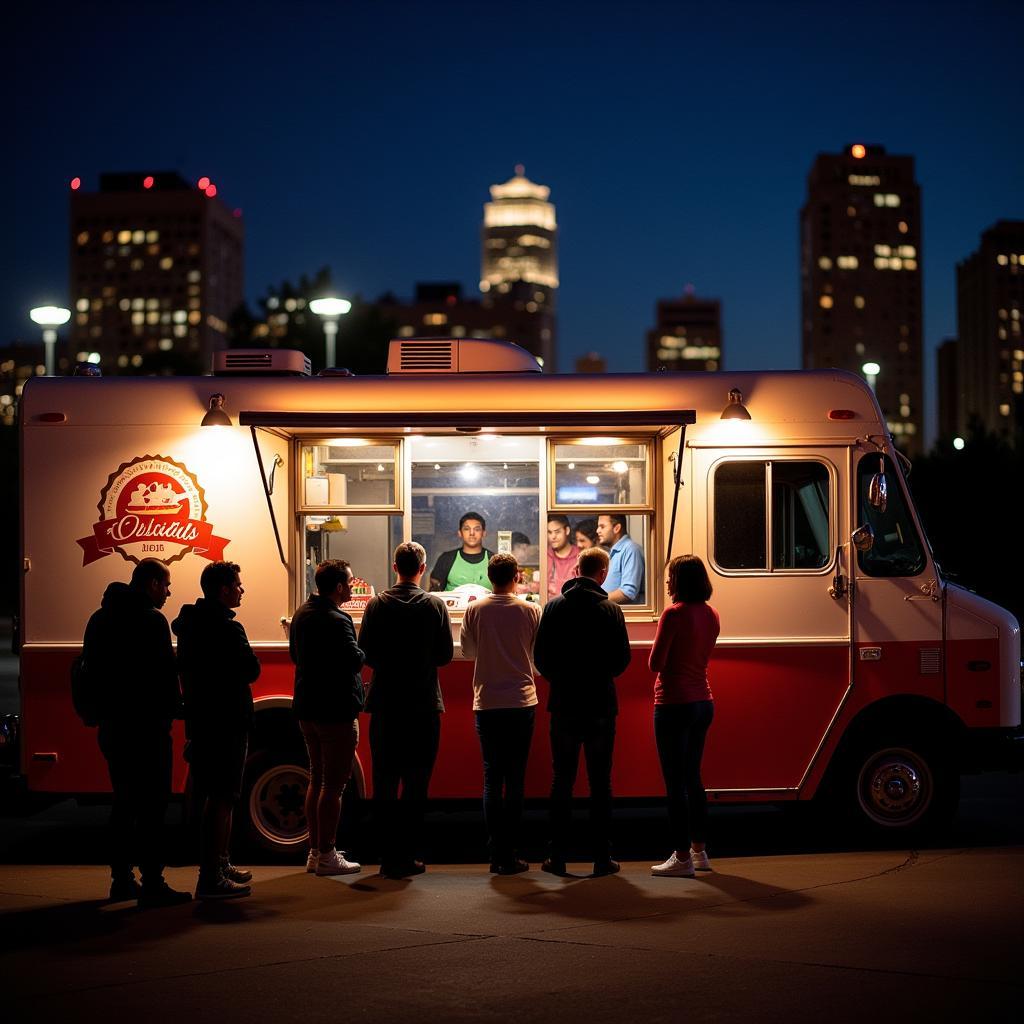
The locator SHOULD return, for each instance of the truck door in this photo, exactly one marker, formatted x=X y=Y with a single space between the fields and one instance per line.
x=897 y=610
x=782 y=665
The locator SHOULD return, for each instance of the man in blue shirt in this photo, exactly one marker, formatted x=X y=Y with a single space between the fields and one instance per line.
x=625 y=581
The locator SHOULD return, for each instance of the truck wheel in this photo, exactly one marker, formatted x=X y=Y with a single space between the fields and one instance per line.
x=273 y=801
x=902 y=786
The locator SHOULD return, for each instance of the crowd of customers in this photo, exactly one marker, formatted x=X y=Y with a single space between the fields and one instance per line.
x=404 y=637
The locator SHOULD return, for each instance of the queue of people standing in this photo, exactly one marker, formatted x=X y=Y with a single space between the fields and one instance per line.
x=404 y=638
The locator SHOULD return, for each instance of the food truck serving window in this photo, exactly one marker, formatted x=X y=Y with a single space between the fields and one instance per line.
x=348 y=497
x=772 y=515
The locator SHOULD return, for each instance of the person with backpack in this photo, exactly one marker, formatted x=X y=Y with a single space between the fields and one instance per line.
x=130 y=680
x=217 y=668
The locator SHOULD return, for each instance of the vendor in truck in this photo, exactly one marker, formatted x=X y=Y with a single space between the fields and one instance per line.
x=467 y=564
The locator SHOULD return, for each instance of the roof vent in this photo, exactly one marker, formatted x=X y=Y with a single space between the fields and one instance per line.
x=458 y=355
x=263 y=362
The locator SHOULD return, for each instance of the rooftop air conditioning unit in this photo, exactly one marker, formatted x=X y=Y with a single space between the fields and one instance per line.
x=458 y=355
x=260 y=362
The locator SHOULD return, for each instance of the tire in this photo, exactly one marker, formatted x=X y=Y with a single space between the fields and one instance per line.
x=272 y=805
x=899 y=786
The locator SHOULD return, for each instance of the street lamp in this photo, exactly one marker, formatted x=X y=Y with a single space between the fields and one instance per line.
x=329 y=309
x=50 y=318
x=871 y=371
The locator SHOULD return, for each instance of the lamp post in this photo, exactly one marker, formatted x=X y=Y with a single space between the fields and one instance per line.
x=50 y=318
x=329 y=309
x=871 y=372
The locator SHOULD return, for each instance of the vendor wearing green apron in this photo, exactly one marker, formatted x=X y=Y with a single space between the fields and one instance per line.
x=467 y=564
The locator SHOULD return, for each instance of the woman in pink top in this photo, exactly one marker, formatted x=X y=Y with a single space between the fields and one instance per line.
x=683 y=710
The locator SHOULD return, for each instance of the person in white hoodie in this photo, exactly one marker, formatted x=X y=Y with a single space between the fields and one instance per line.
x=499 y=632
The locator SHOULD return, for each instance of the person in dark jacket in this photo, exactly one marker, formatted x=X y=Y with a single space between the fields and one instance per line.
x=328 y=699
x=406 y=636
x=581 y=646
x=127 y=646
x=217 y=668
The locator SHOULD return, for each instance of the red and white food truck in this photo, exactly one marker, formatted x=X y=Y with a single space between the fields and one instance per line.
x=846 y=665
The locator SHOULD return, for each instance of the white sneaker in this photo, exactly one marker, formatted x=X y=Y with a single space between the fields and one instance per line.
x=333 y=863
x=700 y=859
x=674 y=868
x=311 y=861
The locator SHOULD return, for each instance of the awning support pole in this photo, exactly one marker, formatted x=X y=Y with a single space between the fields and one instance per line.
x=266 y=491
x=678 y=474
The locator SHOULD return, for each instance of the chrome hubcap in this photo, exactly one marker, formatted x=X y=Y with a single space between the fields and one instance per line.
x=894 y=787
x=277 y=804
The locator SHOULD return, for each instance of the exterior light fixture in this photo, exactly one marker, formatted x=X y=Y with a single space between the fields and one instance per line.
x=735 y=410
x=329 y=309
x=958 y=444
x=871 y=372
x=216 y=416
x=50 y=318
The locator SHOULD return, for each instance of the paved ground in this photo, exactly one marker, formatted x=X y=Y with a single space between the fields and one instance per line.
x=885 y=935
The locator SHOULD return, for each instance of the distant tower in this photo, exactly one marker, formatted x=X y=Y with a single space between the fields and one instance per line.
x=990 y=350
x=687 y=335
x=156 y=271
x=519 y=263
x=860 y=266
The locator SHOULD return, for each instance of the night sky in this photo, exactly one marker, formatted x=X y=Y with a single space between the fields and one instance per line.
x=676 y=139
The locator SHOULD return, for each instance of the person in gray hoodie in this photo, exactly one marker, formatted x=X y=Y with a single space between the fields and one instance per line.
x=581 y=646
x=405 y=636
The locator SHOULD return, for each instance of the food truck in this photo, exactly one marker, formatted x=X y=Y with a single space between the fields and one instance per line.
x=847 y=665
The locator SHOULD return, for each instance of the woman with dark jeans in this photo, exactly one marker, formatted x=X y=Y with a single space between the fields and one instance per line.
x=683 y=710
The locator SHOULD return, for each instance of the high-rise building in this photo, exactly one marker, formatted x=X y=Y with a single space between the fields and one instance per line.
x=990 y=356
x=948 y=388
x=519 y=264
x=860 y=263
x=439 y=310
x=156 y=272
x=687 y=334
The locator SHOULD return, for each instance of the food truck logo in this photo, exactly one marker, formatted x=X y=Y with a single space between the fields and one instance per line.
x=152 y=507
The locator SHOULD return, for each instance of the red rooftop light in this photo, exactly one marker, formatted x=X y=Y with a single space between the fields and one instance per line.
x=147 y=181
x=76 y=184
x=211 y=190
x=203 y=183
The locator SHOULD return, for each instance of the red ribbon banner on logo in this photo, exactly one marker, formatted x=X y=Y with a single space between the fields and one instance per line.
x=200 y=538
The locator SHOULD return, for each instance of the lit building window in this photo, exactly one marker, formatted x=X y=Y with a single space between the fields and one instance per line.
x=881 y=263
x=81 y=318
x=1004 y=409
x=136 y=360
x=406 y=332
x=138 y=318
x=538 y=241
x=859 y=348
x=904 y=227
x=907 y=250
x=180 y=316
x=458 y=331
x=910 y=264
x=138 y=237
x=289 y=304
x=435 y=319
x=858 y=301
x=82 y=305
x=825 y=301
x=864 y=179
x=847 y=262
x=152 y=236
x=122 y=360
x=152 y=303
x=825 y=263
x=883 y=250
x=137 y=264
x=166 y=263
x=535 y=214
x=124 y=237
x=108 y=236
x=83 y=237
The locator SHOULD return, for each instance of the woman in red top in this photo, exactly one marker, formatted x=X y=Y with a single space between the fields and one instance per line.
x=683 y=709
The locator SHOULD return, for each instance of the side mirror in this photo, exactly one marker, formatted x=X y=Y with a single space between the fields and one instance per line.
x=863 y=538
x=878 y=492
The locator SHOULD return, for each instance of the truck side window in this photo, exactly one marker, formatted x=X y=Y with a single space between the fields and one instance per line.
x=897 y=550
x=800 y=516
x=741 y=511
x=798 y=495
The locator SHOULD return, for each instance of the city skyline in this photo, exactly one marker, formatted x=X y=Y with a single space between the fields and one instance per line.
x=676 y=143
